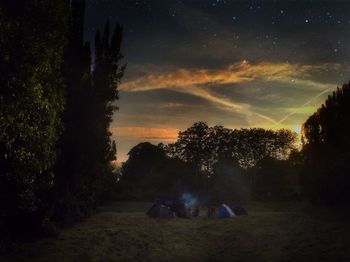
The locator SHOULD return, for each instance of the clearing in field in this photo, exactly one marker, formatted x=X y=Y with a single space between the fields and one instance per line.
x=271 y=232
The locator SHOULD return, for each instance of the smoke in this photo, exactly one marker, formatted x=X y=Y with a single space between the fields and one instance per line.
x=189 y=199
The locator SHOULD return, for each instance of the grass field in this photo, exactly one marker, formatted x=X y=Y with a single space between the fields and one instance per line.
x=274 y=232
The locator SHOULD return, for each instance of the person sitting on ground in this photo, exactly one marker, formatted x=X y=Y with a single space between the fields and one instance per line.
x=211 y=211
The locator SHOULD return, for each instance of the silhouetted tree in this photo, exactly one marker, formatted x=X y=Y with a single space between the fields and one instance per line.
x=87 y=152
x=143 y=158
x=326 y=150
x=192 y=146
x=216 y=151
x=223 y=144
x=257 y=143
x=204 y=146
x=275 y=180
x=149 y=173
x=72 y=145
x=144 y=162
x=229 y=182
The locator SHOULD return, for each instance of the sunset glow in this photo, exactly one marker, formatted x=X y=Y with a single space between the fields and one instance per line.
x=207 y=62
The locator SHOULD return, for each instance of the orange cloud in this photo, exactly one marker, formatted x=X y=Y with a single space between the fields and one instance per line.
x=190 y=80
x=146 y=133
x=235 y=73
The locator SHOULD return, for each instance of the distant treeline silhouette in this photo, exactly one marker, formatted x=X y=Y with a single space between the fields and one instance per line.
x=216 y=163
x=55 y=147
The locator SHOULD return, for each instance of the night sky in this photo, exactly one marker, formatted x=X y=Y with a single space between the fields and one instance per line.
x=235 y=63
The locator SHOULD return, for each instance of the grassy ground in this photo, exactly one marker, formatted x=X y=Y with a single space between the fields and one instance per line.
x=275 y=232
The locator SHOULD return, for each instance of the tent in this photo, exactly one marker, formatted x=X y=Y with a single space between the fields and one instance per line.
x=239 y=211
x=225 y=211
x=168 y=207
x=175 y=205
x=160 y=211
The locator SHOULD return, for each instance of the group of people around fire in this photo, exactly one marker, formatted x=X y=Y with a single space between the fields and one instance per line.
x=195 y=211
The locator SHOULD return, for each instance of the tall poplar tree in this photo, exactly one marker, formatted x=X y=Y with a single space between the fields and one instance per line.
x=86 y=146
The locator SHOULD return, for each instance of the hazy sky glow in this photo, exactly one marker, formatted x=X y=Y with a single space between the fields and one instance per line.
x=235 y=63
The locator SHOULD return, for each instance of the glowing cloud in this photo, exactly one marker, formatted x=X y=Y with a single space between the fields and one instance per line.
x=146 y=133
x=235 y=73
x=191 y=81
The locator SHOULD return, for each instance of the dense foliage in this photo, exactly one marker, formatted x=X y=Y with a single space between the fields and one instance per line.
x=32 y=38
x=56 y=150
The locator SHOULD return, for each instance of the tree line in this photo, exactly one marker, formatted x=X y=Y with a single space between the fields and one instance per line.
x=213 y=162
x=224 y=164
x=56 y=105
